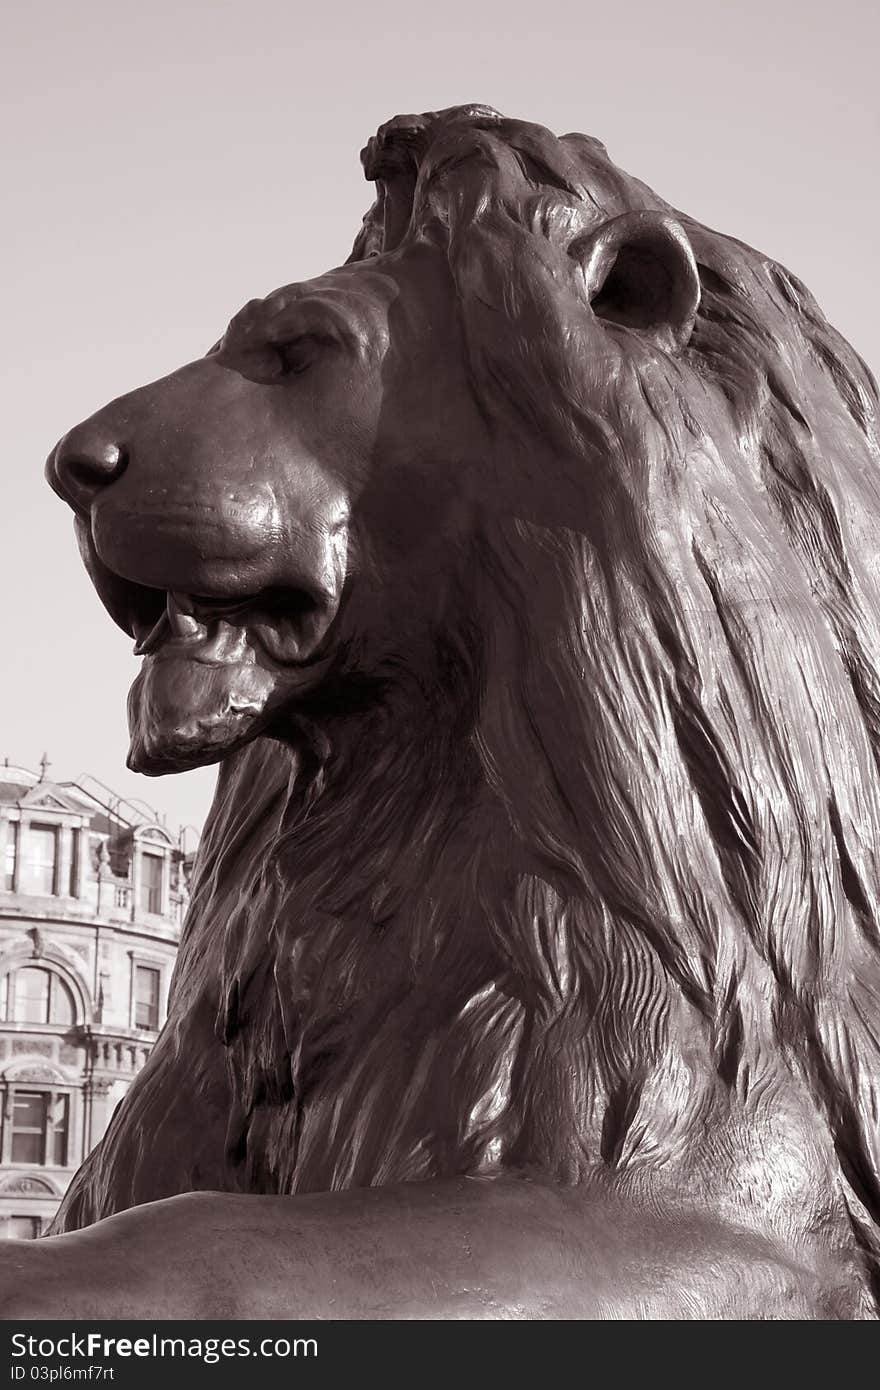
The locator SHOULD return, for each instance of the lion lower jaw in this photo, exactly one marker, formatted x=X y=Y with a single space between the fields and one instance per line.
x=183 y=712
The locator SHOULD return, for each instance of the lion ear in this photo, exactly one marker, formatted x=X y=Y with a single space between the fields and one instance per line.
x=640 y=272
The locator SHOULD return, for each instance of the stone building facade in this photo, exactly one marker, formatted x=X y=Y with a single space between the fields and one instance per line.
x=92 y=897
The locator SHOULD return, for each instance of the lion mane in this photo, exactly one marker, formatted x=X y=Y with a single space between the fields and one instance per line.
x=595 y=889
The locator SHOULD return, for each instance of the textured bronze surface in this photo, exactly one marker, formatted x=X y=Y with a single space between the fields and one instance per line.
x=523 y=574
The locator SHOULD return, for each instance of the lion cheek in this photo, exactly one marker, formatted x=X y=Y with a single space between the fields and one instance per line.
x=184 y=713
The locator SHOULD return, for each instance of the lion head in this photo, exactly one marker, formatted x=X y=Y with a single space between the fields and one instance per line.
x=524 y=572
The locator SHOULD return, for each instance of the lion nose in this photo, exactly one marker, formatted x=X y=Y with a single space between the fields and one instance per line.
x=84 y=463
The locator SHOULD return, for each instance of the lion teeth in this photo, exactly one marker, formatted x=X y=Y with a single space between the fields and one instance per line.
x=181 y=619
x=154 y=638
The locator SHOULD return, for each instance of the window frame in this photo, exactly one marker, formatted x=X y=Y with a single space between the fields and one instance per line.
x=50 y=1129
x=38 y=1221
x=149 y=893
x=156 y=970
x=24 y=884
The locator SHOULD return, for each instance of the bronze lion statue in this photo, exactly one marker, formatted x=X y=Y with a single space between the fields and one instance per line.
x=522 y=575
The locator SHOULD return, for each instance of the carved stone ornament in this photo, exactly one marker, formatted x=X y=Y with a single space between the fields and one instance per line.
x=28 y=1044
x=521 y=574
x=42 y=1074
x=28 y=1186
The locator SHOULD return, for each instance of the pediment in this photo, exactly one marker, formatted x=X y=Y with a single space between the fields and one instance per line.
x=156 y=833
x=51 y=798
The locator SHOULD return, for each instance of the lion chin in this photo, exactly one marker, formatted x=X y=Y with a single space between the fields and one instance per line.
x=184 y=712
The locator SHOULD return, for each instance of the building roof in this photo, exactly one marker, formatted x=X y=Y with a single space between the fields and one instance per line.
x=16 y=782
x=13 y=791
x=109 y=814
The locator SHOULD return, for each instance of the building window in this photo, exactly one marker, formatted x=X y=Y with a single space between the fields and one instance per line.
x=152 y=873
x=23 y=1227
x=73 y=878
x=11 y=846
x=36 y=995
x=39 y=1128
x=146 y=997
x=38 y=849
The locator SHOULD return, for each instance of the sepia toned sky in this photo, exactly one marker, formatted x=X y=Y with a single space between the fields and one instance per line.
x=165 y=161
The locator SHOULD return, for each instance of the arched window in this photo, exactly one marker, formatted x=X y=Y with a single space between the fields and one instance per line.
x=35 y=994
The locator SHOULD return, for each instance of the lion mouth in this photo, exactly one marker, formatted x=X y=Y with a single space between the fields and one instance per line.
x=218 y=668
x=217 y=671
x=286 y=624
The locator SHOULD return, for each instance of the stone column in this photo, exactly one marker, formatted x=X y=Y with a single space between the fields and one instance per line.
x=62 y=863
x=97 y=1113
x=82 y=873
x=6 y=834
x=134 y=878
x=23 y=827
x=7 y=1103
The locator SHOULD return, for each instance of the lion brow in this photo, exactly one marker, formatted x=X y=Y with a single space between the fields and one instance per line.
x=345 y=313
